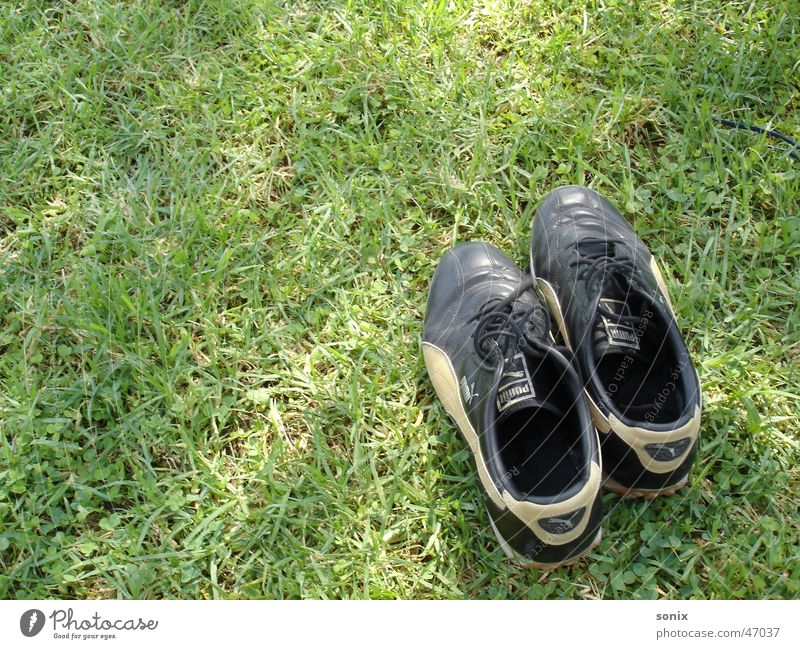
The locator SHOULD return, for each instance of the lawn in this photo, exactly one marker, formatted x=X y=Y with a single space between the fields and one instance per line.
x=218 y=222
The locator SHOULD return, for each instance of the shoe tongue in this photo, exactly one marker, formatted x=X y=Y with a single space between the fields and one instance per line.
x=612 y=336
x=594 y=248
x=535 y=324
x=516 y=391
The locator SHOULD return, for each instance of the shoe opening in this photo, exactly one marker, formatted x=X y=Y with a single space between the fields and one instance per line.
x=540 y=450
x=636 y=361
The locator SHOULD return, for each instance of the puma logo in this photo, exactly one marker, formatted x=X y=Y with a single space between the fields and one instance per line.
x=563 y=523
x=667 y=451
x=467 y=390
x=516 y=385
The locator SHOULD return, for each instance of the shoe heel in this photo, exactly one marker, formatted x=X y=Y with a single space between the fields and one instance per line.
x=526 y=562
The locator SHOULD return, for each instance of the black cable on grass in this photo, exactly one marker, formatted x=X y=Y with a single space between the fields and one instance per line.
x=794 y=151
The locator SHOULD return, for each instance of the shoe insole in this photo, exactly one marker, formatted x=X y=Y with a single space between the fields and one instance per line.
x=646 y=390
x=537 y=453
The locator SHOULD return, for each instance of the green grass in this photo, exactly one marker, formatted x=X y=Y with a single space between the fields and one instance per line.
x=219 y=219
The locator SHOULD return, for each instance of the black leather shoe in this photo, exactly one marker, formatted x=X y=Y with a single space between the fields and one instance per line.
x=518 y=402
x=609 y=300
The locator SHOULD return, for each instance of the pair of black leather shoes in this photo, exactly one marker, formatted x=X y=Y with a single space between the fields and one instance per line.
x=530 y=409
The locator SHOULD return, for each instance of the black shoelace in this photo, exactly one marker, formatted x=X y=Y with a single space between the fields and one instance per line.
x=508 y=329
x=619 y=275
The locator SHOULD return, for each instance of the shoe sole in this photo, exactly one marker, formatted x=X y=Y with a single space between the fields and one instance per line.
x=527 y=563
x=631 y=492
x=550 y=299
